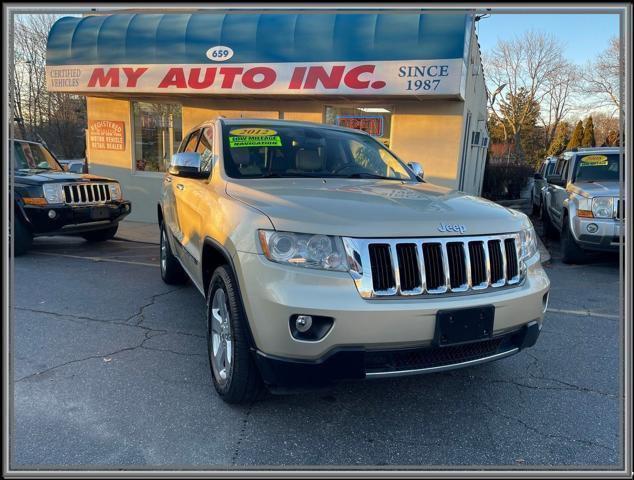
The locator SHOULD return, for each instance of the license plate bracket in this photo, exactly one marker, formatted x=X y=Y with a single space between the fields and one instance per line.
x=465 y=325
x=99 y=213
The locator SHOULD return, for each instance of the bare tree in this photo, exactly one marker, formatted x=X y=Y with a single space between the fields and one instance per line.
x=603 y=78
x=525 y=64
x=604 y=124
x=559 y=100
x=56 y=118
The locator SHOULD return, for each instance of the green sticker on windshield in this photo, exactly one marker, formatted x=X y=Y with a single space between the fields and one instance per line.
x=259 y=141
x=594 y=160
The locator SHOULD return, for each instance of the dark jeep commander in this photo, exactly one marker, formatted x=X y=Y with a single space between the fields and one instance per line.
x=51 y=201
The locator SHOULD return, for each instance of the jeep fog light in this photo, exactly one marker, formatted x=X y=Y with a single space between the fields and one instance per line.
x=309 y=328
x=303 y=323
x=592 y=228
x=52 y=214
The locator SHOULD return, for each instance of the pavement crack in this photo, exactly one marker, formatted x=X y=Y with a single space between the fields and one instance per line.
x=543 y=434
x=146 y=337
x=73 y=318
x=243 y=428
x=153 y=298
x=172 y=351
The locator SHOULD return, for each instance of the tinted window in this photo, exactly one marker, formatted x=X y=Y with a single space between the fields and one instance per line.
x=256 y=151
x=31 y=156
x=593 y=167
x=205 y=148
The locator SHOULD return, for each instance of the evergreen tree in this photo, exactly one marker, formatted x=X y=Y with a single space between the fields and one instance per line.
x=561 y=139
x=577 y=137
x=588 y=134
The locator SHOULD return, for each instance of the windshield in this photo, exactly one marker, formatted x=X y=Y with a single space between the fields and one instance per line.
x=597 y=167
x=257 y=151
x=31 y=156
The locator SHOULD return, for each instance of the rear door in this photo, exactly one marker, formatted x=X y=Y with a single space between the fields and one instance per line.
x=558 y=193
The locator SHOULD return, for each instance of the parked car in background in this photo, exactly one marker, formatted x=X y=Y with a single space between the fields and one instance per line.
x=539 y=183
x=51 y=201
x=78 y=165
x=323 y=256
x=583 y=202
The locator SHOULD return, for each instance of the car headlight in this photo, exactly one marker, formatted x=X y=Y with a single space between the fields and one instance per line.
x=528 y=243
x=304 y=250
x=602 y=207
x=53 y=192
x=115 y=191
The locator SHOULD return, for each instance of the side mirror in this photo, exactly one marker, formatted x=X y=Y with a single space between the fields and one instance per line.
x=186 y=164
x=556 y=180
x=417 y=168
x=538 y=176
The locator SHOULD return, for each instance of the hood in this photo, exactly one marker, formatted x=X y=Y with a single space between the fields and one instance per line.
x=372 y=208
x=597 y=189
x=53 y=177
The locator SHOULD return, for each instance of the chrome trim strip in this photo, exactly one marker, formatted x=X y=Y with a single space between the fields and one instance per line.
x=441 y=368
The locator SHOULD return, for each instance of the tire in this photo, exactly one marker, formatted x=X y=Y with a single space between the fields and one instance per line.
x=23 y=237
x=571 y=252
x=233 y=370
x=172 y=272
x=535 y=208
x=549 y=229
x=101 y=235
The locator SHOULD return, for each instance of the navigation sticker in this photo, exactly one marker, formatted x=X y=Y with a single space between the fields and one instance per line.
x=253 y=132
x=594 y=160
x=250 y=141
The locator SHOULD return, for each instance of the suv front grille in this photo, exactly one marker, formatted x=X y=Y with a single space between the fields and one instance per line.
x=432 y=266
x=86 y=193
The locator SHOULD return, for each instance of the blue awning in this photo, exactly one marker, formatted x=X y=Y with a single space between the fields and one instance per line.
x=257 y=38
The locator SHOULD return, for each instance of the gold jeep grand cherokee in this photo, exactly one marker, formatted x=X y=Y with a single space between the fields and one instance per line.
x=323 y=257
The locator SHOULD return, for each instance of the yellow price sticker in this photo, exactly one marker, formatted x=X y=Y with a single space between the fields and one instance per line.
x=594 y=160
x=253 y=132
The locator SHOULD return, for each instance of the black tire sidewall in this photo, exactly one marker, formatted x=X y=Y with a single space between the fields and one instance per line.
x=571 y=252
x=23 y=238
x=244 y=381
x=173 y=273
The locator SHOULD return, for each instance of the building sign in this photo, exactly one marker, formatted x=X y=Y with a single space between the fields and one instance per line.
x=369 y=124
x=394 y=77
x=106 y=134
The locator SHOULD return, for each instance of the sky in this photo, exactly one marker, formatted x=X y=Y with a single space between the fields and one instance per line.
x=583 y=35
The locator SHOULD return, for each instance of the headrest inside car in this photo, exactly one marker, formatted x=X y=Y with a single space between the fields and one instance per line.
x=308 y=160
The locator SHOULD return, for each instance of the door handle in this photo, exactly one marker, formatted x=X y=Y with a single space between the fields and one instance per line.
x=168 y=179
x=180 y=186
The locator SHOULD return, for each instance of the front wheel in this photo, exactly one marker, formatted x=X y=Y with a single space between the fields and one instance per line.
x=172 y=272
x=101 y=235
x=571 y=252
x=23 y=237
x=234 y=373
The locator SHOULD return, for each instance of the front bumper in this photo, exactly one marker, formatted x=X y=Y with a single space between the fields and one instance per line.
x=272 y=293
x=606 y=238
x=359 y=363
x=70 y=220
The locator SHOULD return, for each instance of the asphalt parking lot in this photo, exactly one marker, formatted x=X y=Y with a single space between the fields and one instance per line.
x=110 y=371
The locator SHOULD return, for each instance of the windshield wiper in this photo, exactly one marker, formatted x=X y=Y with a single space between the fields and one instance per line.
x=369 y=175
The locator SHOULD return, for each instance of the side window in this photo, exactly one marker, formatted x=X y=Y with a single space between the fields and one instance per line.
x=192 y=142
x=205 y=148
x=564 y=169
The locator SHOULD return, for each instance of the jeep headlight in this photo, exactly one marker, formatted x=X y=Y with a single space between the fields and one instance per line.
x=528 y=243
x=304 y=250
x=602 y=207
x=115 y=191
x=53 y=192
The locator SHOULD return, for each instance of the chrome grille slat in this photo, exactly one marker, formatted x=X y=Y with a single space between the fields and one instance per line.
x=86 y=193
x=420 y=267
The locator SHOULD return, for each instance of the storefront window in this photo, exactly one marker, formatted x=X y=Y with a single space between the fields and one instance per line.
x=158 y=131
x=375 y=120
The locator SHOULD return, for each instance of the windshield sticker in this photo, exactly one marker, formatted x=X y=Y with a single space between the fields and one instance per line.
x=594 y=161
x=253 y=132
x=244 y=141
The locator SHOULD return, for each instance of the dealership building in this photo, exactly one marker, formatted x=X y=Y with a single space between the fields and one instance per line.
x=413 y=80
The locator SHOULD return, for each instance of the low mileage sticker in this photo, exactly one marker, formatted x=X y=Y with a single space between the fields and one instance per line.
x=260 y=141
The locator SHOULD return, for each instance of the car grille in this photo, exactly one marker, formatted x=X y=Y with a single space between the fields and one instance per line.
x=432 y=266
x=433 y=357
x=86 y=193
